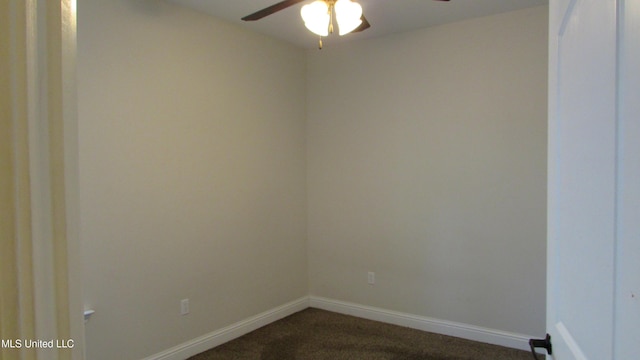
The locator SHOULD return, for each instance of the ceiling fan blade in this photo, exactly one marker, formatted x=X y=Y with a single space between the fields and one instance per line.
x=364 y=26
x=271 y=9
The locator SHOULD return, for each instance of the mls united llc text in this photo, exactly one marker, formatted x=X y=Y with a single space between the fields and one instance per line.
x=37 y=344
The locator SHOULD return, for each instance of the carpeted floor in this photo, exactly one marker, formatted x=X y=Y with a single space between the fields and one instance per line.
x=314 y=334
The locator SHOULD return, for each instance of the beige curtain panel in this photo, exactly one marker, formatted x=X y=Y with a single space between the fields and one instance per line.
x=37 y=44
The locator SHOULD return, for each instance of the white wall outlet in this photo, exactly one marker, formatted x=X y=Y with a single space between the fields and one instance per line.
x=184 y=306
x=371 y=278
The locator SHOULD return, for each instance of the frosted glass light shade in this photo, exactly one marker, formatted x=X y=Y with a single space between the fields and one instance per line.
x=316 y=17
x=348 y=15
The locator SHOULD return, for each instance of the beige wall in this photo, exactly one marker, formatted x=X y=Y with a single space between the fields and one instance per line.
x=192 y=174
x=427 y=165
x=422 y=159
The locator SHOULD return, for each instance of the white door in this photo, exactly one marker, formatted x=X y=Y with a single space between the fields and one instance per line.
x=593 y=272
x=582 y=178
x=626 y=330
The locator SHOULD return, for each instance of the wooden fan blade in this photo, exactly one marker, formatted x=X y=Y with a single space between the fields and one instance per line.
x=271 y=9
x=364 y=26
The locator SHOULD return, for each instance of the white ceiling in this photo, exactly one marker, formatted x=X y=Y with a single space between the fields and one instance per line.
x=385 y=16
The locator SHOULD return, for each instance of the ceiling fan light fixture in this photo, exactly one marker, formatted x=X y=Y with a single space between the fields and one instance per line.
x=316 y=17
x=348 y=15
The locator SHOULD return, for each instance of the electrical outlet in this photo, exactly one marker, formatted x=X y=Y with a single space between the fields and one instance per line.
x=371 y=278
x=184 y=306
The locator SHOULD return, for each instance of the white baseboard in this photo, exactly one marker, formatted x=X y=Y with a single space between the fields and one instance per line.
x=444 y=327
x=219 y=337
x=464 y=331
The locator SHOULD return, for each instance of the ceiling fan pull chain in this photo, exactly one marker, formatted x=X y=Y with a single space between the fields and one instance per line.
x=319 y=42
x=331 y=18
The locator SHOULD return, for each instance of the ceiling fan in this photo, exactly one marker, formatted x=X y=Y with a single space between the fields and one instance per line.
x=318 y=16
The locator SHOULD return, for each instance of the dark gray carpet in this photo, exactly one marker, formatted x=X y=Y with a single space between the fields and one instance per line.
x=314 y=334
